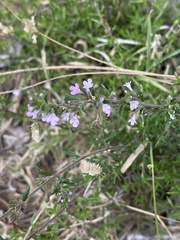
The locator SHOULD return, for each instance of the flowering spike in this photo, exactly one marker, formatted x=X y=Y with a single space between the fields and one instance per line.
x=90 y=168
x=35 y=132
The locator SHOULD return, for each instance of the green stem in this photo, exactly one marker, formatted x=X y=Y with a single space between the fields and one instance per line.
x=154 y=193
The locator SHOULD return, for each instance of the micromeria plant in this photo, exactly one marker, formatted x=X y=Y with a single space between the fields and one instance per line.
x=70 y=108
x=95 y=180
x=73 y=108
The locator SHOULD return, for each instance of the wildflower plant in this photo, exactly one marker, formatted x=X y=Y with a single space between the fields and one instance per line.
x=100 y=144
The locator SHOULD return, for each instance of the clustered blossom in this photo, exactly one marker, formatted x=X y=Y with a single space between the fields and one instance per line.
x=74 y=121
x=73 y=118
x=66 y=197
x=29 y=27
x=31 y=112
x=50 y=118
x=35 y=132
x=132 y=120
x=90 y=168
x=133 y=105
x=86 y=85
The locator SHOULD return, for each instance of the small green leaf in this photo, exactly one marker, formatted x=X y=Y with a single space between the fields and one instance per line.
x=148 y=42
x=155 y=84
x=106 y=91
x=83 y=110
x=25 y=195
x=170 y=55
x=72 y=154
x=65 y=180
x=177 y=78
x=41 y=171
x=69 y=97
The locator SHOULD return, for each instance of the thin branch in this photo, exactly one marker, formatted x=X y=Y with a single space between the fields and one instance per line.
x=117 y=70
x=73 y=75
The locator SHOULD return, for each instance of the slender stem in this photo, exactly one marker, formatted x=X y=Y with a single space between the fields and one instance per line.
x=149 y=105
x=154 y=192
x=81 y=53
x=58 y=77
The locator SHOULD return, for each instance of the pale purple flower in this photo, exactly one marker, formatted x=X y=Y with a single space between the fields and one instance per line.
x=74 y=121
x=106 y=109
x=132 y=120
x=75 y=89
x=50 y=118
x=45 y=117
x=101 y=99
x=114 y=99
x=170 y=98
x=41 y=94
x=31 y=113
x=65 y=116
x=30 y=108
x=17 y=92
x=69 y=193
x=133 y=105
x=128 y=85
x=88 y=84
